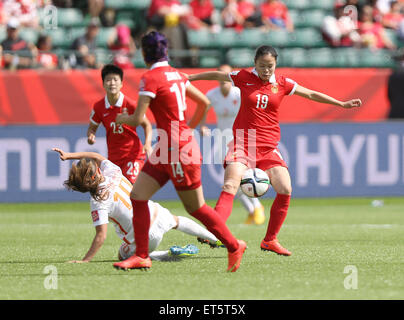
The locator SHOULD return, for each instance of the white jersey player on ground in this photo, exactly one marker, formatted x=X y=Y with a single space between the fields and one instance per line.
x=225 y=100
x=110 y=201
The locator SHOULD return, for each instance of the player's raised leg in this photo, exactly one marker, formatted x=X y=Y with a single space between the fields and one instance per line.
x=280 y=180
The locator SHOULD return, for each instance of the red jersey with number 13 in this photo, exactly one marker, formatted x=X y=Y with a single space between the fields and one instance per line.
x=122 y=140
x=259 y=109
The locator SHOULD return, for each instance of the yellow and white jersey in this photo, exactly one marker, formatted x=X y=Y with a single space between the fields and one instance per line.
x=226 y=107
x=117 y=207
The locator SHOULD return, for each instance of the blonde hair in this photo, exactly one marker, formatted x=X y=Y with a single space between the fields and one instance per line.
x=83 y=178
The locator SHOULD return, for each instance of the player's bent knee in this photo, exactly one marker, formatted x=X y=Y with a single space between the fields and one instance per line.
x=230 y=187
x=286 y=190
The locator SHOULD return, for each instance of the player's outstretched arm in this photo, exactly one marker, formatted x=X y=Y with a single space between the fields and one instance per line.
x=202 y=103
x=98 y=241
x=79 y=155
x=323 y=98
x=210 y=75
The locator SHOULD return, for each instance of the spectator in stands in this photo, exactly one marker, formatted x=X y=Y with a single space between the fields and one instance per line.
x=24 y=10
x=376 y=12
x=275 y=15
x=382 y=5
x=393 y=18
x=168 y=16
x=372 y=33
x=123 y=47
x=340 y=30
x=239 y=14
x=17 y=53
x=231 y=17
x=166 y=13
x=201 y=15
x=46 y=59
x=95 y=7
x=84 y=47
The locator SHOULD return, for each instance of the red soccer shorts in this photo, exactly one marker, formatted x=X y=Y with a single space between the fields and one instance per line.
x=182 y=166
x=183 y=176
x=264 y=158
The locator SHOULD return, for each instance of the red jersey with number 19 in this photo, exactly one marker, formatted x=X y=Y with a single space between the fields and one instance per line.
x=122 y=140
x=259 y=110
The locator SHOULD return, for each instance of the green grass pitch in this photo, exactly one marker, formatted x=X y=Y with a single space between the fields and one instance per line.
x=326 y=236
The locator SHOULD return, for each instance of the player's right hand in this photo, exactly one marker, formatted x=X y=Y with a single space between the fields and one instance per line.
x=91 y=138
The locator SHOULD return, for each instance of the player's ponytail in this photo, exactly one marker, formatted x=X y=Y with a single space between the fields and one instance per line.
x=155 y=47
x=83 y=178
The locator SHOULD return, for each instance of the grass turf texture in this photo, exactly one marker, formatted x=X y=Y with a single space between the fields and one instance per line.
x=325 y=236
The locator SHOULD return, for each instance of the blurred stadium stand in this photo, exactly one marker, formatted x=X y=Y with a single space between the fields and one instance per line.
x=305 y=47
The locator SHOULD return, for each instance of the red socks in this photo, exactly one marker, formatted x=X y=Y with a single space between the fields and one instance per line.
x=224 y=205
x=279 y=210
x=141 y=226
x=217 y=226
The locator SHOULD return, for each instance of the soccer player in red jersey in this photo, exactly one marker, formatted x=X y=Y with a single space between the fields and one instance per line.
x=176 y=156
x=124 y=146
x=256 y=135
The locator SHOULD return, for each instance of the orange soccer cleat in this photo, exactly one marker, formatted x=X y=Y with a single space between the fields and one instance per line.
x=236 y=256
x=274 y=246
x=134 y=262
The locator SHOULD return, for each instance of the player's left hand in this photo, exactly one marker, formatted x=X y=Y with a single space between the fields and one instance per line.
x=354 y=103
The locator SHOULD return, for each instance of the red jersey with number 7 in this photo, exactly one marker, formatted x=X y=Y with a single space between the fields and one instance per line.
x=258 y=117
x=166 y=86
x=122 y=140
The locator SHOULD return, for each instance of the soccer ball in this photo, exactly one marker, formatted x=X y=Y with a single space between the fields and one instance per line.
x=254 y=183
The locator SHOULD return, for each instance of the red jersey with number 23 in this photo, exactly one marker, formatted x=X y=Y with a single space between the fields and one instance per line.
x=122 y=140
x=259 y=110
